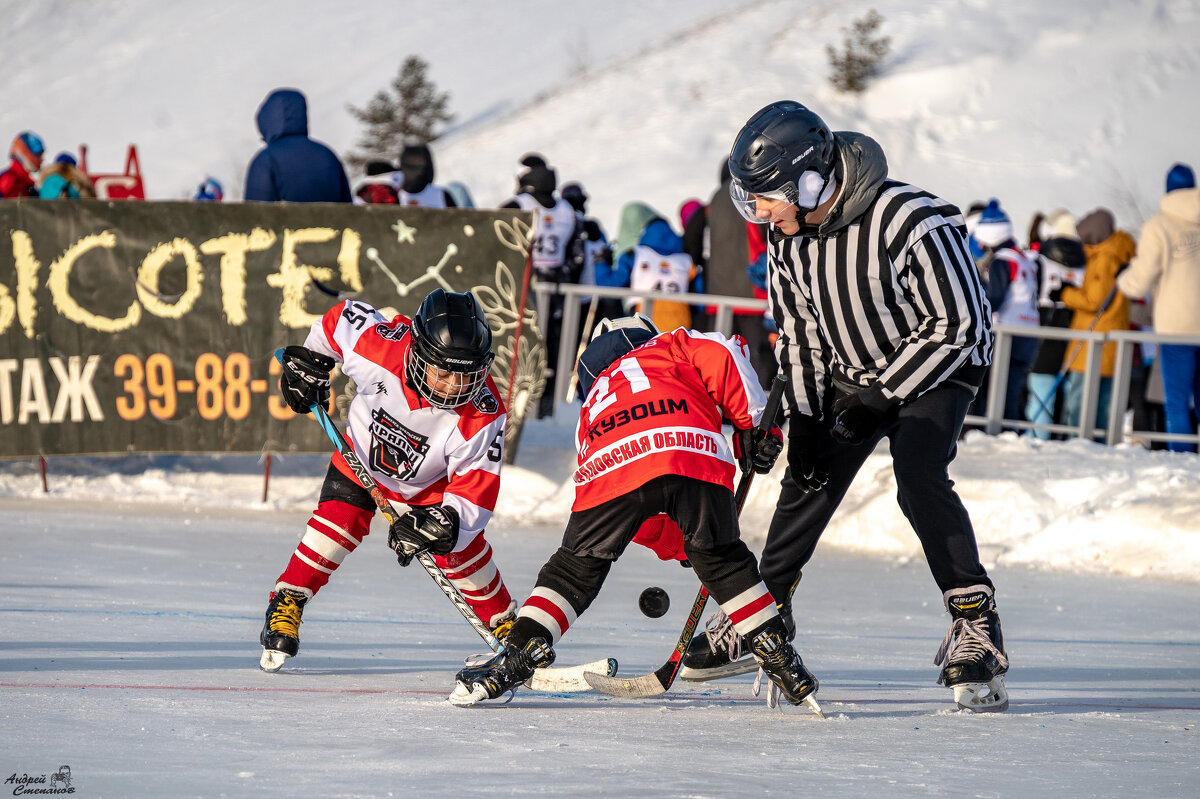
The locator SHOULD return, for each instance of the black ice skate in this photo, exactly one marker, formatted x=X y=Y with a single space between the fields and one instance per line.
x=779 y=661
x=720 y=652
x=280 y=636
x=491 y=676
x=972 y=654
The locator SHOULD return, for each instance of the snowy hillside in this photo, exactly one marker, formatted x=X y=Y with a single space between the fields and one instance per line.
x=1077 y=103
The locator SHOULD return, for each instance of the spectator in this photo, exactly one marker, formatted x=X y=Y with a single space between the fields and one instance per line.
x=1168 y=267
x=414 y=180
x=658 y=263
x=557 y=255
x=293 y=167
x=210 y=191
x=25 y=159
x=595 y=251
x=378 y=187
x=1012 y=291
x=1098 y=306
x=63 y=180
x=460 y=194
x=1060 y=261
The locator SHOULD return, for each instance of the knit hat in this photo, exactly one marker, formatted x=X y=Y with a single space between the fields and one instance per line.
x=65 y=158
x=379 y=168
x=1180 y=177
x=1059 y=223
x=1097 y=226
x=994 y=227
x=27 y=149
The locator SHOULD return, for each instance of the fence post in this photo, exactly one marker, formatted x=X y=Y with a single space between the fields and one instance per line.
x=998 y=382
x=1120 y=390
x=568 y=344
x=1091 y=389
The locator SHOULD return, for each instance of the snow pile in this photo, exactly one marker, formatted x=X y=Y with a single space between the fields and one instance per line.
x=1069 y=506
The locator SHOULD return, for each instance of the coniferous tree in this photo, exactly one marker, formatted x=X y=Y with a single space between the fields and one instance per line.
x=410 y=111
x=861 y=54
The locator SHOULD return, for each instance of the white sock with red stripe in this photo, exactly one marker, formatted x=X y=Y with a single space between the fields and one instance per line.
x=751 y=609
x=475 y=575
x=335 y=529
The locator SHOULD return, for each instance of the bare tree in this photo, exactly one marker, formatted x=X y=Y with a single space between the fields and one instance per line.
x=410 y=111
x=861 y=53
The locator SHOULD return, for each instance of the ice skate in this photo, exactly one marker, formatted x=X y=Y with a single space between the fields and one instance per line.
x=491 y=676
x=788 y=676
x=720 y=652
x=972 y=653
x=280 y=636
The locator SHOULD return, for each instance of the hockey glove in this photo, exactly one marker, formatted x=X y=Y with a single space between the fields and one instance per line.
x=433 y=528
x=305 y=379
x=808 y=446
x=757 y=450
x=857 y=416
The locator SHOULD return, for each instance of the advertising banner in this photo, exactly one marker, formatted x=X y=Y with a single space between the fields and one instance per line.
x=150 y=327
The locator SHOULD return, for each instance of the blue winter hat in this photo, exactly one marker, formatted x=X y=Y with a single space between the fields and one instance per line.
x=65 y=158
x=994 y=227
x=1180 y=177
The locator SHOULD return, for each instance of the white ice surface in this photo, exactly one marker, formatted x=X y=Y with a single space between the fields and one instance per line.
x=130 y=606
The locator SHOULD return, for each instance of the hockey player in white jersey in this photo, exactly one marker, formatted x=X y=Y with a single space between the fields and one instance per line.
x=428 y=423
x=558 y=253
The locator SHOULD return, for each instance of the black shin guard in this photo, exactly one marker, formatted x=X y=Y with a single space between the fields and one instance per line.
x=576 y=578
x=726 y=570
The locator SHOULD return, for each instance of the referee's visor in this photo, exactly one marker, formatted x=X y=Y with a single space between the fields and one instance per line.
x=746 y=202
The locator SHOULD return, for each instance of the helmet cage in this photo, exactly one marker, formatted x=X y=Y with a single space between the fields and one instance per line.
x=440 y=381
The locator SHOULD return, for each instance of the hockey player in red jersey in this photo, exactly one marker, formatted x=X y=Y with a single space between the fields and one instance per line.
x=650 y=442
x=428 y=423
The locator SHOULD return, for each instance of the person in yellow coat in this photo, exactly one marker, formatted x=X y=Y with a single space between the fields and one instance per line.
x=1098 y=305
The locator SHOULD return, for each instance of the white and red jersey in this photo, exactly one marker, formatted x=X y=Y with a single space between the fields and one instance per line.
x=552 y=231
x=658 y=411
x=418 y=454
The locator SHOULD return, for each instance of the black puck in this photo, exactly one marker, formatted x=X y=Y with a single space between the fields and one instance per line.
x=654 y=602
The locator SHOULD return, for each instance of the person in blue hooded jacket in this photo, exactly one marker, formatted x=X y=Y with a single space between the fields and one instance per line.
x=293 y=167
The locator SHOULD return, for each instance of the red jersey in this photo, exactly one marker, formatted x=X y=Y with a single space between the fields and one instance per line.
x=658 y=411
x=418 y=454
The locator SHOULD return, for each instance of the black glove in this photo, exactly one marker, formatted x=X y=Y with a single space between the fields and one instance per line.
x=756 y=449
x=857 y=416
x=433 y=528
x=305 y=379
x=808 y=445
x=1055 y=295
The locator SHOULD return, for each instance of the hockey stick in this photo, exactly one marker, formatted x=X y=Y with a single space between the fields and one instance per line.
x=584 y=335
x=548 y=679
x=659 y=680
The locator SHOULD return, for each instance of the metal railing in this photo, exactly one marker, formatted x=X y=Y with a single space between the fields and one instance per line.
x=992 y=421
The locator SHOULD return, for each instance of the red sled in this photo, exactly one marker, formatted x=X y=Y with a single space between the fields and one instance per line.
x=117 y=187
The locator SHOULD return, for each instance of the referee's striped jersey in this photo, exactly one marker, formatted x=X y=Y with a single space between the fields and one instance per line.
x=893 y=298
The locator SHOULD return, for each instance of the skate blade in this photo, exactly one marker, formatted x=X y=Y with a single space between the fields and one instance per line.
x=811 y=702
x=464 y=696
x=272 y=661
x=982 y=697
x=743 y=666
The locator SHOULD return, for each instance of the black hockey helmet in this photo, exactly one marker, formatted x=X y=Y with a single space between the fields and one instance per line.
x=574 y=194
x=612 y=340
x=784 y=152
x=451 y=348
x=416 y=163
x=1068 y=252
x=535 y=176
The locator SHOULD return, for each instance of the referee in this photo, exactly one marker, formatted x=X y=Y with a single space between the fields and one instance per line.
x=884 y=331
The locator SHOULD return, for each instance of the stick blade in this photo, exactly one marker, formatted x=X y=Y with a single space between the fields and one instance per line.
x=629 y=687
x=571 y=679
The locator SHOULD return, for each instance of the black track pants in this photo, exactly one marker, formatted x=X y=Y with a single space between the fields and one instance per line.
x=924 y=438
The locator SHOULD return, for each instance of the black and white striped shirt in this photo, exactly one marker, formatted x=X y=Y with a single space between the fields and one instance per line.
x=893 y=299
